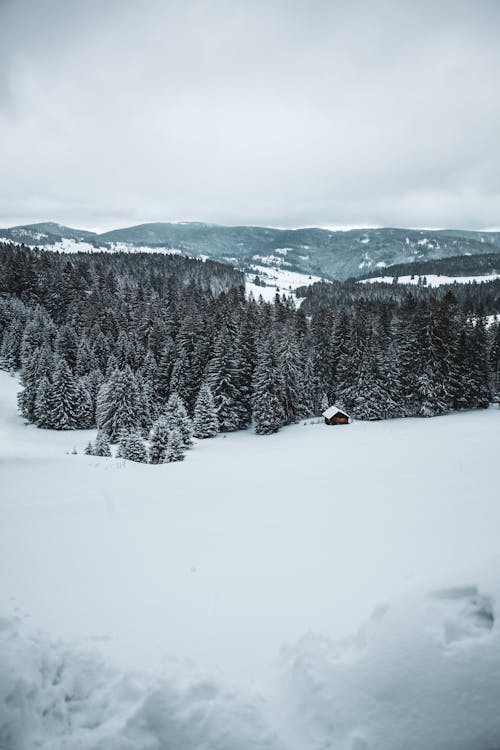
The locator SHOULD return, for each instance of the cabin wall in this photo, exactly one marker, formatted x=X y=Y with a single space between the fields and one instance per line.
x=337 y=419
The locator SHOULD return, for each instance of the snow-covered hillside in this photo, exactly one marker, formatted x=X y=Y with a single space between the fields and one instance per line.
x=274 y=279
x=188 y=579
x=432 y=279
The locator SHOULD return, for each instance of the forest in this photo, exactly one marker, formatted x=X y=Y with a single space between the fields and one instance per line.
x=162 y=346
x=455 y=265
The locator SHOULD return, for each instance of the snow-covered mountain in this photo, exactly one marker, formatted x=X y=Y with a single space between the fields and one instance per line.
x=311 y=251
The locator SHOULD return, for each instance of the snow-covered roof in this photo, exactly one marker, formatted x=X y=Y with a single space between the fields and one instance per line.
x=332 y=410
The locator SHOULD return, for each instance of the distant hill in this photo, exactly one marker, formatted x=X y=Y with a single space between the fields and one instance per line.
x=456 y=266
x=45 y=233
x=320 y=252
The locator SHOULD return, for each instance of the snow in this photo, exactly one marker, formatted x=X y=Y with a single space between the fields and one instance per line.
x=187 y=581
x=332 y=410
x=69 y=245
x=276 y=278
x=433 y=279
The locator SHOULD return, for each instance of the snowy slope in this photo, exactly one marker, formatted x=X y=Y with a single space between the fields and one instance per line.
x=432 y=279
x=219 y=561
x=276 y=279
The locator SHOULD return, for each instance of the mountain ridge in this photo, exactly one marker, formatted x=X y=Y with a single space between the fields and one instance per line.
x=331 y=254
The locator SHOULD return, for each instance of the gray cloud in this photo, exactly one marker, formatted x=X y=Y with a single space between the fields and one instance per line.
x=273 y=112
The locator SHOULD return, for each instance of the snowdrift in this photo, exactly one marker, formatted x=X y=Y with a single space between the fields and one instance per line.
x=423 y=672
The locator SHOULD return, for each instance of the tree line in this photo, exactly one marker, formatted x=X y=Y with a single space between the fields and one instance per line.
x=149 y=345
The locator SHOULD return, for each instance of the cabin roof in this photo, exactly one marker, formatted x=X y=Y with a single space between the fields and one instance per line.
x=332 y=410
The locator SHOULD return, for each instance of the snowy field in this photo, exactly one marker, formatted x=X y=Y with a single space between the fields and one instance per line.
x=218 y=596
x=433 y=279
x=277 y=279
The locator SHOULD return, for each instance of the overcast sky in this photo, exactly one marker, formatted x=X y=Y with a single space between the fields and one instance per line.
x=314 y=112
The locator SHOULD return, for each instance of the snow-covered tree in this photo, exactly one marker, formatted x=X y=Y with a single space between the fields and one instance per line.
x=223 y=379
x=175 y=446
x=64 y=411
x=268 y=414
x=44 y=404
x=158 y=438
x=205 y=422
x=119 y=404
x=101 y=446
x=292 y=377
x=85 y=410
x=10 y=350
x=132 y=447
x=177 y=418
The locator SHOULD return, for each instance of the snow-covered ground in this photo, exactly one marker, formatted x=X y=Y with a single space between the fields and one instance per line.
x=188 y=580
x=68 y=245
x=433 y=279
x=276 y=279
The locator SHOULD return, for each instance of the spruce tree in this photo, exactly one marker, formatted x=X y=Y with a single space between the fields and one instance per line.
x=64 y=411
x=223 y=380
x=176 y=417
x=44 y=404
x=268 y=414
x=119 y=404
x=36 y=364
x=205 y=422
x=132 y=447
x=101 y=446
x=85 y=411
x=10 y=351
x=175 y=446
x=292 y=377
x=158 y=438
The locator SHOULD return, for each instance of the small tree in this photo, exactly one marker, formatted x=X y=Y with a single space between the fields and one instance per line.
x=159 y=441
x=89 y=449
x=132 y=448
x=101 y=445
x=205 y=422
x=175 y=447
x=177 y=418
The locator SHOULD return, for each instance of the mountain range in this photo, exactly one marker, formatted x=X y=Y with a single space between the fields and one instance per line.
x=329 y=254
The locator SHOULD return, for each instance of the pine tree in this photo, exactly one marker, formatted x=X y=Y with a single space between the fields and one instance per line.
x=85 y=359
x=10 y=351
x=223 y=380
x=205 y=422
x=36 y=364
x=67 y=344
x=180 y=380
x=89 y=449
x=119 y=404
x=64 y=411
x=101 y=446
x=429 y=395
x=293 y=391
x=176 y=417
x=85 y=410
x=132 y=447
x=158 y=438
x=44 y=404
x=268 y=414
x=175 y=447
x=164 y=370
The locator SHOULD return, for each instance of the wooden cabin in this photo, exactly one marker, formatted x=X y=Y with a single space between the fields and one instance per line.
x=335 y=415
